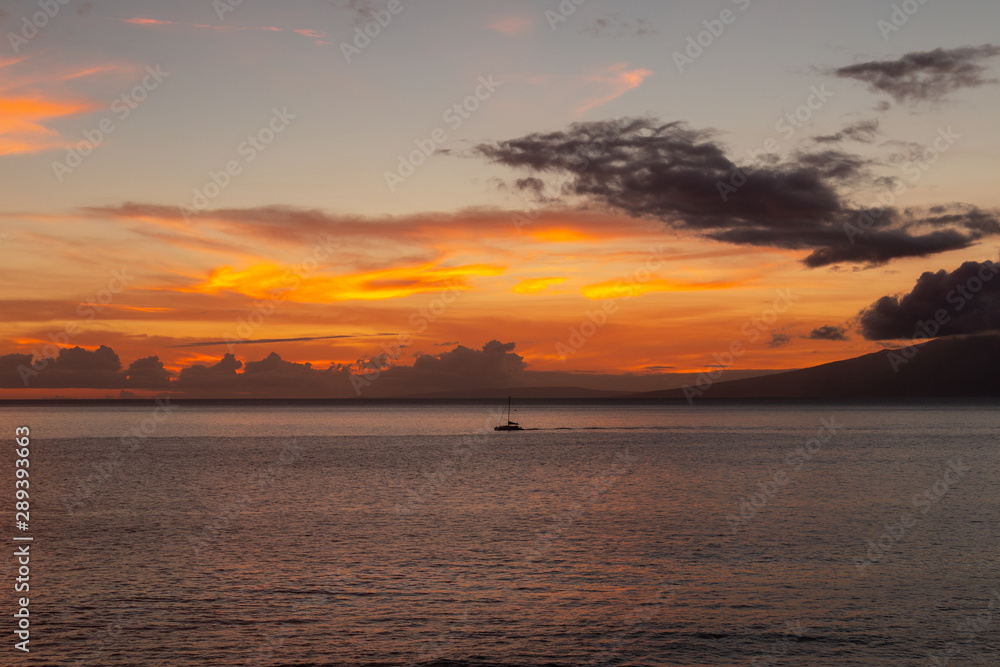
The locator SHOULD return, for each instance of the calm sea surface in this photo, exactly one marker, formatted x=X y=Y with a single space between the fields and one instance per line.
x=837 y=534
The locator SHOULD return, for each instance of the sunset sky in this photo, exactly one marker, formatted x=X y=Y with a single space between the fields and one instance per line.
x=487 y=171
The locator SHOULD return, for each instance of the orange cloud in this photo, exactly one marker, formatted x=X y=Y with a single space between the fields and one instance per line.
x=141 y=21
x=133 y=309
x=21 y=128
x=615 y=289
x=560 y=235
x=144 y=21
x=265 y=280
x=512 y=25
x=536 y=285
x=297 y=227
x=99 y=69
x=619 y=80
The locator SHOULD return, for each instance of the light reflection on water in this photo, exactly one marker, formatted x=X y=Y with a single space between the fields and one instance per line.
x=409 y=534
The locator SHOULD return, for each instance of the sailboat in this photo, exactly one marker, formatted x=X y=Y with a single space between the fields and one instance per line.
x=509 y=426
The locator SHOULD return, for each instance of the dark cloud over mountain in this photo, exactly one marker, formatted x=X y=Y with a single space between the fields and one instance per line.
x=828 y=332
x=778 y=340
x=683 y=177
x=965 y=301
x=925 y=75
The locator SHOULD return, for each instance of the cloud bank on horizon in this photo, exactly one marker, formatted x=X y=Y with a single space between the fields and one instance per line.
x=495 y=365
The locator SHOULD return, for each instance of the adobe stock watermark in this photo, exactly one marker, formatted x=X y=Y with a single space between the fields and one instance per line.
x=915 y=169
x=786 y=125
x=566 y=9
x=899 y=17
x=88 y=310
x=248 y=149
x=455 y=116
x=626 y=288
x=751 y=330
x=31 y=25
x=714 y=29
x=795 y=460
x=223 y=7
x=955 y=470
x=959 y=298
x=122 y=107
x=363 y=36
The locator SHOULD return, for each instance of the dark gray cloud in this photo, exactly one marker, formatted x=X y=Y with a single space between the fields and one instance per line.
x=276 y=376
x=778 y=340
x=925 y=75
x=358 y=12
x=613 y=24
x=258 y=341
x=148 y=373
x=829 y=332
x=683 y=177
x=218 y=377
x=863 y=131
x=495 y=365
x=495 y=361
x=965 y=301
x=73 y=367
x=271 y=377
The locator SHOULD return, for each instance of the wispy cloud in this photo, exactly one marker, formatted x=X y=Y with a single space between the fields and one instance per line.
x=315 y=35
x=22 y=116
x=614 y=25
x=137 y=20
x=618 y=79
x=536 y=285
x=259 y=341
x=26 y=104
x=96 y=71
x=512 y=25
x=924 y=76
x=615 y=289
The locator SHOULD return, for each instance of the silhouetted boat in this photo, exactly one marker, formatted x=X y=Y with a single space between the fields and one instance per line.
x=509 y=426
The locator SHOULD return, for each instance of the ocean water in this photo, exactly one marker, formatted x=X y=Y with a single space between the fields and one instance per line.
x=821 y=534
